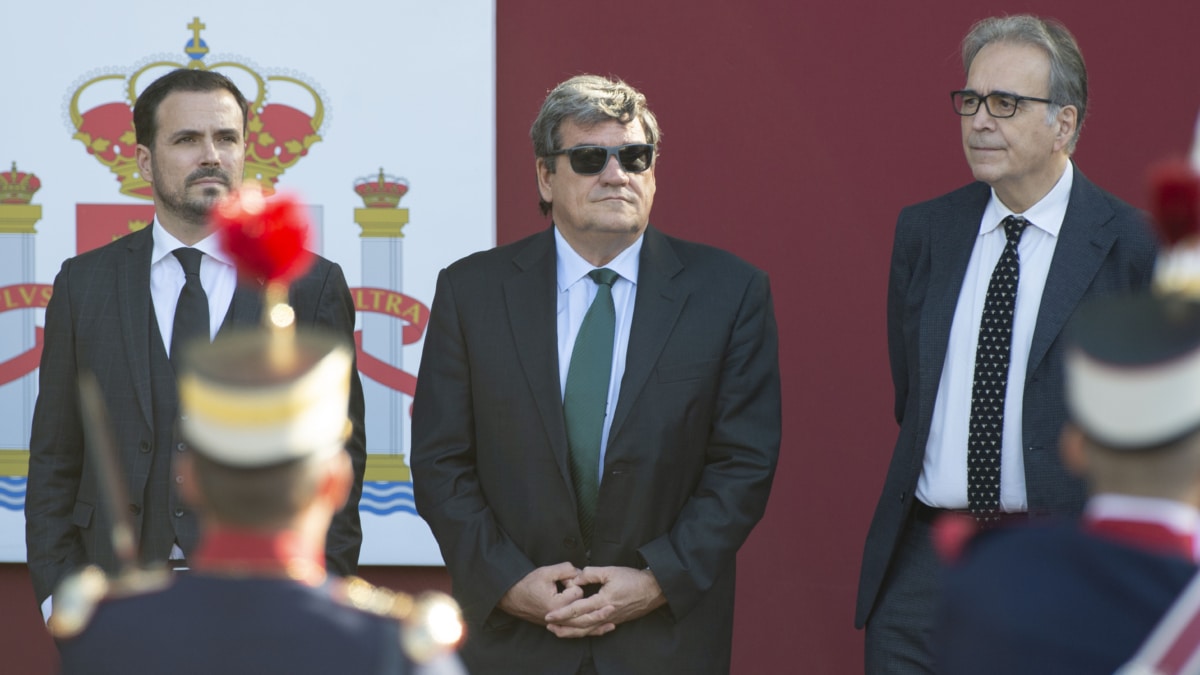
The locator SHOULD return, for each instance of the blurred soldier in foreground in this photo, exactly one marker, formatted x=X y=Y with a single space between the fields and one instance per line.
x=265 y=413
x=1080 y=597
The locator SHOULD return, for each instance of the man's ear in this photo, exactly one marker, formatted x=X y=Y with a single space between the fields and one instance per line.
x=1066 y=122
x=543 y=178
x=337 y=481
x=143 y=155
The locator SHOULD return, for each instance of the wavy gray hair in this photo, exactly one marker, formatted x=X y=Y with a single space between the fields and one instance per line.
x=587 y=100
x=1068 y=74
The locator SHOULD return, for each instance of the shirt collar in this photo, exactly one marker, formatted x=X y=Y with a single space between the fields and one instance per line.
x=1047 y=215
x=165 y=243
x=572 y=267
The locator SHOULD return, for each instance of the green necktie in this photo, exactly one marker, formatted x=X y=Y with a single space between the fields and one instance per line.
x=587 y=396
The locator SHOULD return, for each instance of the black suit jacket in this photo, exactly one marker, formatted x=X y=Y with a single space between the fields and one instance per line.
x=689 y=464
x=1104 y=246
x=99 y=318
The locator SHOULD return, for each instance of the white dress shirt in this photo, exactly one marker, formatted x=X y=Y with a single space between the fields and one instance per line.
x=217 y=275
x=943 y=481
x=575 y=294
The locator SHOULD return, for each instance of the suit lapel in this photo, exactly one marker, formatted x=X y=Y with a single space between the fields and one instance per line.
x=1083 y=244
x=952 y=238
x=133 y=301
x=660 y=299
x=245 y=309
x=530 y=300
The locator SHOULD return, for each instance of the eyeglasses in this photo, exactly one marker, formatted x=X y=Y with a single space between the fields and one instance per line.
x=589 y=160
x=998 y=104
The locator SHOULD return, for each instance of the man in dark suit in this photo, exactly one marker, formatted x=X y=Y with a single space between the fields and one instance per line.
x=1081 y=596
x=113 y=312
x=265 y=417
x=1034 y=236
x=606 y=546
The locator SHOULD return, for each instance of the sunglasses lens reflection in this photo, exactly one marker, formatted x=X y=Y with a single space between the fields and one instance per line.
x=636 y=158
x=588 y=160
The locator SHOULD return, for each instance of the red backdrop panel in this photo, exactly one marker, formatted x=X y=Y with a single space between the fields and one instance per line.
x=793 y=132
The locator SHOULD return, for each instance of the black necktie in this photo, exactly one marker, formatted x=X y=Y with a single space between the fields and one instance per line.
x=191 y=312
x=991 y=380
x=587 y=396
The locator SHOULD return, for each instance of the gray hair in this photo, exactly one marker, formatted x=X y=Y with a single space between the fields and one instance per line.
x=1068 y=74
x=587 y=100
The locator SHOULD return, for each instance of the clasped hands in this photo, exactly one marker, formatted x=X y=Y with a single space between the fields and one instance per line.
x=554 y=596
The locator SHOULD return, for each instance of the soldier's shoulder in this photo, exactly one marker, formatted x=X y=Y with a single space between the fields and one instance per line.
x=81 y=593
x=430 y=624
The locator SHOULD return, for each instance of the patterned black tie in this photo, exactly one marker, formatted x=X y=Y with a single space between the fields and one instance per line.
x=991 y=380
x=191 y=312
x=586 y=397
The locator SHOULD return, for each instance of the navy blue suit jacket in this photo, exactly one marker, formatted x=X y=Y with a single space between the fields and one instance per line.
x=205 y=624
x=1104 y=246
x=1051 y=599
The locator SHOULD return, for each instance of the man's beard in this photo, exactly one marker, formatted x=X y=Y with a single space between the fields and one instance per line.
x=192 y=209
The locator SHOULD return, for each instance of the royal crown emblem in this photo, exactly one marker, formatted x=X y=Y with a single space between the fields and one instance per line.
x=279 y=131
x=17 y=187
x=382 y=191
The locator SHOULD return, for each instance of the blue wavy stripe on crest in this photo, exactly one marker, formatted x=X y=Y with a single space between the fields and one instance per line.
x=21 y=480
x=387 y=484
x=13 y=494
x=384 y=498
x=12 y=506
x=399 y=508
x=401 y=488
x=384 y=503
x=387 y=489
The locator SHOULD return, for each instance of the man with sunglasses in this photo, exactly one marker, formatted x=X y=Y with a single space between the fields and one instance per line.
x=597 y=416
x=982 y=281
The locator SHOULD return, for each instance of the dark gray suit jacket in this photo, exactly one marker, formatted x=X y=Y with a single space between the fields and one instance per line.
x=689 y=464
x=1104 y=246
x=100 y=319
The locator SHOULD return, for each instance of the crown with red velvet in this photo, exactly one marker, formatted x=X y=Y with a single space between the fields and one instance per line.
x=382 y=191
x=280 y=132
x=17 y=187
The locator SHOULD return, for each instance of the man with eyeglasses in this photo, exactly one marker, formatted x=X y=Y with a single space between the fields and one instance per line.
x=982 y=281
x=597 y=416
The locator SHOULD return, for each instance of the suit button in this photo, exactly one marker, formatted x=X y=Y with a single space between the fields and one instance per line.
x=179 y=480
x=145 y=446
x=135 y=509
x=570 y=542
x=181 y=447
x=178 y=513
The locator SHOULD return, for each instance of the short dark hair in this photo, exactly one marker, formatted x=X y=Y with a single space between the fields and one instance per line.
x=145 y=111
x=261 y=497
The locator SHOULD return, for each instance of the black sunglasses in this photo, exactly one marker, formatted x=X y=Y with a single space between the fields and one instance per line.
x=589 y=160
